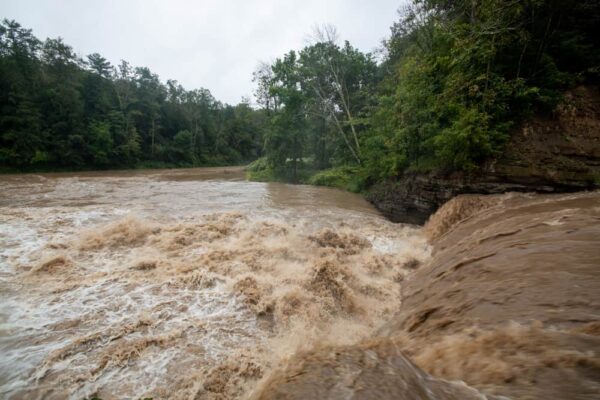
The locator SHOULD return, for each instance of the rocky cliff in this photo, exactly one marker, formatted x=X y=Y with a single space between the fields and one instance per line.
x=546 y=154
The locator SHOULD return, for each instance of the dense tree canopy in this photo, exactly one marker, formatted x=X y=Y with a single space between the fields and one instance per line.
x=318 y=100
x=58 y=111
x=456 y=78
x=461 y=73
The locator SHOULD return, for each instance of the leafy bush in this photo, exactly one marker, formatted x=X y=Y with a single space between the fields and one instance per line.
x=344 y=177
x=260 y=164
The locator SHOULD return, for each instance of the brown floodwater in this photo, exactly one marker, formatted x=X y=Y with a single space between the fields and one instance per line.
x=507 y=307
x=191 y=283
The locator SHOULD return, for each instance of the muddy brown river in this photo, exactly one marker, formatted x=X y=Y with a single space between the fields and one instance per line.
x=183 y=283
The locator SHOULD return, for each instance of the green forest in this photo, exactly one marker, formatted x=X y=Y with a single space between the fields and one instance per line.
x=451 y=82
x=61 y=112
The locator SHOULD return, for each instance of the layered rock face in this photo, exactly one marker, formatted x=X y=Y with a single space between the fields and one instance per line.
x=553 y=154
x=507 y=306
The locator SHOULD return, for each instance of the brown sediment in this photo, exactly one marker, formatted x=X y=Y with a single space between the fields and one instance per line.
x=328 y=282
x=302 y=287
x=249 y=288
x=122 y=351
x=209 y=306
x=508 y=302
x=456 y=210
x=198 y=280
x=227 y=379
x=128 y=231
x=591 y=328
x=145 y=265
x=514 y=355
x=77 y=344
x=375 y=369
x=350 y=243
x=508 y=305
x=52 y=264
x=296 y=302
x=331 y=285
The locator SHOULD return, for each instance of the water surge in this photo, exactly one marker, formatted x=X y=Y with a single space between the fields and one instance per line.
x=123 y=299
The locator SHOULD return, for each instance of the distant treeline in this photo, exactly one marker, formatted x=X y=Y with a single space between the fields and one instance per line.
x=453 y=79
x=58 y=111
x=456 y=77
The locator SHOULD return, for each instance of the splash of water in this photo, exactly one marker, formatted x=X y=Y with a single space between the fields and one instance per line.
x=121 y=303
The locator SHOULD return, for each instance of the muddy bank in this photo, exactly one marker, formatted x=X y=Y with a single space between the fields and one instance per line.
x=508 y=305
x=559 y=153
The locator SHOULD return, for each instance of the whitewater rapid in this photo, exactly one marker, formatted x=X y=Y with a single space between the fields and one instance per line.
x=184 y=284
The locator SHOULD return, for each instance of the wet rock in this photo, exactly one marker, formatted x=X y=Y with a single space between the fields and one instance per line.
x=546 y=154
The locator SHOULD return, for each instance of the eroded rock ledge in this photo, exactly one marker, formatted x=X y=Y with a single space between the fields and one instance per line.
x=551 y=154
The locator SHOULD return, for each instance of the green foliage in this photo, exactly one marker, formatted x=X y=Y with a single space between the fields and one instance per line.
x=101 y=143
x=260 y=164
x=60 y=112
x=458 y=76
x=262 y=170
x=181 y=149
x=461 y=74
x=468 y=140
x=317 y=101
x=345 y=177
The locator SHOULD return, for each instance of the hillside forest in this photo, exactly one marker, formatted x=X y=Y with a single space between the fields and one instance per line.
x=447 y=87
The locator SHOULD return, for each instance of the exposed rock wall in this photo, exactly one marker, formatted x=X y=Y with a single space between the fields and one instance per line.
x=552 y=154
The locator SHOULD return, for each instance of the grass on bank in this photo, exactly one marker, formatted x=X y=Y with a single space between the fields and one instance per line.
x=342 y=177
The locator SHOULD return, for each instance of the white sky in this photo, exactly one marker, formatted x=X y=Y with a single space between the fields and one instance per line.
x=215 y=44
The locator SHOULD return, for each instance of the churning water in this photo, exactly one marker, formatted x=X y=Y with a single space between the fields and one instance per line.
x=183 y=284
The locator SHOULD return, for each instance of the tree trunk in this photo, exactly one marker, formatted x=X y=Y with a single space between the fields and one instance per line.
x=345 y=105
x=153 y=133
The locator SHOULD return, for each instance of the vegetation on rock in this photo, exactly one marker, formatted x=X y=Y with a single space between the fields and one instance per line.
x=457 y=78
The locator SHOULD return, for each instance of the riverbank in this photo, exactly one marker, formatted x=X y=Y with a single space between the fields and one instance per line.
x=554 y=153
x=150 y=166
x=507 y=304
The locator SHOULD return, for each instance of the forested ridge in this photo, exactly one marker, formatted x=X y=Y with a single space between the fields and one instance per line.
x=454 y=78
x=60 y=112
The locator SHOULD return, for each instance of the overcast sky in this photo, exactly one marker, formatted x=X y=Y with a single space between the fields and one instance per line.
x=214 y=44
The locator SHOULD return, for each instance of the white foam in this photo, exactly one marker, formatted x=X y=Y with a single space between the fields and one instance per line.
x=36 y=322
